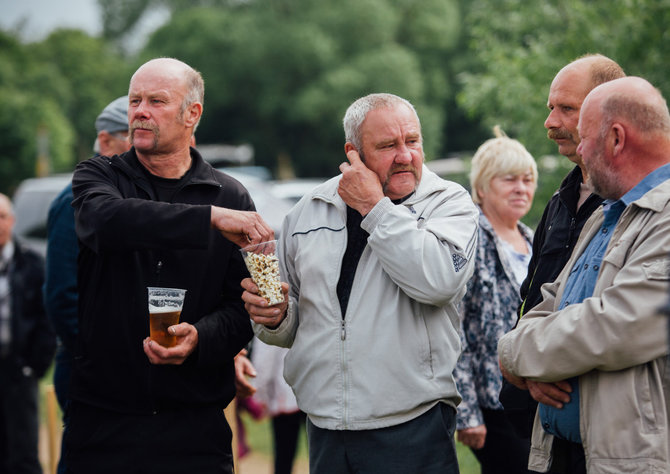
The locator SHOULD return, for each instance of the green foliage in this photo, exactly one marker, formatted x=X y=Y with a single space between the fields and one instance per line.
x=50 y=95
x=90 y=74
x=281 y=74
x=520 y=48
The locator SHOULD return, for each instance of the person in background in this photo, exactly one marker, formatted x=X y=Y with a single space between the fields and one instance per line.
x=503 y=180
x=27 y=346
x=376 y=261
x=594 y=352
x=158 y=215
x=564 y=216
x=60 y=283
x=278 y=402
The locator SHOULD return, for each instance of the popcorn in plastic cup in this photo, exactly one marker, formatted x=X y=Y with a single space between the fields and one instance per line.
x=263 y=265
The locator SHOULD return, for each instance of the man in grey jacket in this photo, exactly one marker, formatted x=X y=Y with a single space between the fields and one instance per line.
x=375 y=261
x=597 y=333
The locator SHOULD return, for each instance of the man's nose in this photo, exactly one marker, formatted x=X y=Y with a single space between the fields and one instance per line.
x=552 y=120
x=140 y=110
x=403 y=155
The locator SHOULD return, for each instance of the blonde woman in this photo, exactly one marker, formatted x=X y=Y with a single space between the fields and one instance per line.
x=503 y=180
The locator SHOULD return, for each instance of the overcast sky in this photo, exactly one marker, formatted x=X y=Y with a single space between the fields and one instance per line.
x=35 y=19
x=42 y=16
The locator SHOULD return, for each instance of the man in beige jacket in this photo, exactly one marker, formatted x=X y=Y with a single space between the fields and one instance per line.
x=598 y=334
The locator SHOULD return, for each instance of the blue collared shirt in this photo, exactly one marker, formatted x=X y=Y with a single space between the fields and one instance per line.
x=581 y=282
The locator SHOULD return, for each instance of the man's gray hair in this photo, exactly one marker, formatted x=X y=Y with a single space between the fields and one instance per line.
x=356 y=113
x=195 y=91
x=648 y=116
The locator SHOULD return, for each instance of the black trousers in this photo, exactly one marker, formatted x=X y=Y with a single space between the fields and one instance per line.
x=423 y=445
x=18 y=421
x=187 y=440
x=285 y=433
x=504 y=452
x=568 y=458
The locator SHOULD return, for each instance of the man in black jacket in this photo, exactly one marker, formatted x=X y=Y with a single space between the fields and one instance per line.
x=27 y=346
x=158 y=215
x=562 y=220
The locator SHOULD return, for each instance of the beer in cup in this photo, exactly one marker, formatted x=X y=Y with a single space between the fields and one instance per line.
x=165 y=306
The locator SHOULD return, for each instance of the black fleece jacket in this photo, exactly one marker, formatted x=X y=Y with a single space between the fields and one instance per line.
x=128 y=241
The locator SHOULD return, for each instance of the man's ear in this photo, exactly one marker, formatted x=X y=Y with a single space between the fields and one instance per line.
x=617 y=140
x=104 y=138
x=348 y=147
x=192 y=114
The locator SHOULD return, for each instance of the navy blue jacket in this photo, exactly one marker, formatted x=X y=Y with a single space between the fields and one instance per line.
x=60 y=288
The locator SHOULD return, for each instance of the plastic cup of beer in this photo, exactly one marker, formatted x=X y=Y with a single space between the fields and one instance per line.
x=263 y=265
x=165 y=305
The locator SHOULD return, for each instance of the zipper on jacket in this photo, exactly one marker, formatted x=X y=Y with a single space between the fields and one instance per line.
x=573 y=225
x=345 y=381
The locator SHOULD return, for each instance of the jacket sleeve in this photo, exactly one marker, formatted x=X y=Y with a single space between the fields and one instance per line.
x=42 y=345
x=619 y=328
x=469 y=414
x=431 y=259
x=538 y=242
x=106 y=219
x=60 y=285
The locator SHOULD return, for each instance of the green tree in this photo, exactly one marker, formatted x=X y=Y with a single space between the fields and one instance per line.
x=521 y=47
x=280 y=74
x=87 y=73
x=31 y=123
x=517 y=48
x=50 y=94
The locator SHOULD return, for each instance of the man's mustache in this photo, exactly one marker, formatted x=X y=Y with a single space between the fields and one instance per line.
x=558 y=134
x=143 y=125
x=400 y=169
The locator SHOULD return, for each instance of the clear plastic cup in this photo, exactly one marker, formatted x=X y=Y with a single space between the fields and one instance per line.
x=263 y=265
x=165 y=305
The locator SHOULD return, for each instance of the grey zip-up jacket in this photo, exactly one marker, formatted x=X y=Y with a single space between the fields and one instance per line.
x=615 y=341
x=391 y=357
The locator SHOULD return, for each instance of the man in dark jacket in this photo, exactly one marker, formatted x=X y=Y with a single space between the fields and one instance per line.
x=60 y=281
x=158 y=215
x=563 y=218
x=27 y=346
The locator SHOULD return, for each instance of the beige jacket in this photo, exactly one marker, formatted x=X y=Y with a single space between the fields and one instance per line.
x=616 y=341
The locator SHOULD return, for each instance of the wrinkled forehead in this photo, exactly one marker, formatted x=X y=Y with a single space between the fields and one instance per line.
x=157 y=78
x=392 y=121
x=570 y=86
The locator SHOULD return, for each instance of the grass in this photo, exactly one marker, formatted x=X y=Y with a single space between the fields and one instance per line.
x=259 y=439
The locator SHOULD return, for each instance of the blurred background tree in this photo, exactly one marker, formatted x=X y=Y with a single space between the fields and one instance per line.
x=279 y=74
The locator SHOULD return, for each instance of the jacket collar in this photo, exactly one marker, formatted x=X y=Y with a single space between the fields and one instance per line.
x=655 y=199
x=7 y=254
x=128 y=163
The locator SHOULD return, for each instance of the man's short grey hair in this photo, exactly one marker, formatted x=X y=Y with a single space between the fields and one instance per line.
x=195 y=91
x=648 y=116
x=356 y=113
